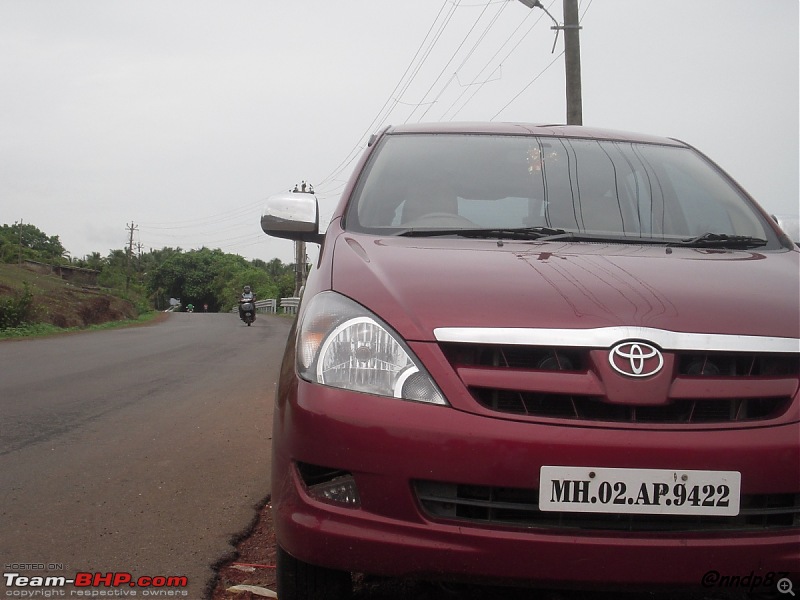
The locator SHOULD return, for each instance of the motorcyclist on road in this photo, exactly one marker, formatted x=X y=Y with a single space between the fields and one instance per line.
x=247 y=296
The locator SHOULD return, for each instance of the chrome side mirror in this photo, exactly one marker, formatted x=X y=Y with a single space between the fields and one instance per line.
x=294 y=216
x=790 y=225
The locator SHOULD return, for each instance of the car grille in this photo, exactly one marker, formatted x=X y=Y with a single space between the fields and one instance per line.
x=517 y=507
x=593 y=408
x=562 y=384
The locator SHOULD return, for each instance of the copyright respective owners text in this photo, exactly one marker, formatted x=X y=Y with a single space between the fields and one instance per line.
x=750 y=582
x=57 y=580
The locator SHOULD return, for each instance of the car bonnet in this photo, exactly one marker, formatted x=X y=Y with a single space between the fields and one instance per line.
x=420 y=284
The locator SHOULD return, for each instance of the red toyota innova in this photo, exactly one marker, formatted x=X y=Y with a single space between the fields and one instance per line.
x=538 y=356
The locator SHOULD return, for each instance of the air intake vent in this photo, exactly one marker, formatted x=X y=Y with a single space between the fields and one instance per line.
x=739 y=365
x=595 y=409
x=517 y=507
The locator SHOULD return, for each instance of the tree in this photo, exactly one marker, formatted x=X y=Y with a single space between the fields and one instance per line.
x=26 y=241
x=90 y=261
x=213 y=277
x=201 y=276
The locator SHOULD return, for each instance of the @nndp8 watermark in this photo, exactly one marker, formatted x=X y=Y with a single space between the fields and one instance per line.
x=750 y=582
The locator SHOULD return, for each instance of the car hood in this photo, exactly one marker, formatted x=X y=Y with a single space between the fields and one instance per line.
x=420 y=284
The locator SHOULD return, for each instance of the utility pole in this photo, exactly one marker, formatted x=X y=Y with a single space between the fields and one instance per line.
x=131 y=228
x=300 y=247
x=300 y=267
x=572 y=56
x=572 y=63
x=139 y=248
x=20 y=243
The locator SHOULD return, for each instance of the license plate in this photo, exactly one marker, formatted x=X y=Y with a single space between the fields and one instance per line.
x=639 y=491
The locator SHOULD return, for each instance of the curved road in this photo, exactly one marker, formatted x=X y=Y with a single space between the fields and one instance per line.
x=140 y=450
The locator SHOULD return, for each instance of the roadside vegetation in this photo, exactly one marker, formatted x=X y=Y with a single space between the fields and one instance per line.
x=43 y=290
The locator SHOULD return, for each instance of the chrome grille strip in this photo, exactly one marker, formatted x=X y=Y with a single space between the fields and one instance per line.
x=605 y=337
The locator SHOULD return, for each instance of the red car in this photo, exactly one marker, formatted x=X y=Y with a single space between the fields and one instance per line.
x=539 y=355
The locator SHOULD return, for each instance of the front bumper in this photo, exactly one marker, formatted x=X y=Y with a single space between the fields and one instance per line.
x=388 y=444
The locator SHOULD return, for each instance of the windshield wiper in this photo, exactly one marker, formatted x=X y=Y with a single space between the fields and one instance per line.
x=577 y=236
x=547 y=234
x=721 y=240
x=506 y=233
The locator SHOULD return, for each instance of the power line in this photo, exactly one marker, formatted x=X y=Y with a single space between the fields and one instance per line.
x=452 y=57
x=585 y=10
x=427 y=54
x=380 y=116
x=210 y=219
x=542 y=72
x=475 y=90
x=475 y=47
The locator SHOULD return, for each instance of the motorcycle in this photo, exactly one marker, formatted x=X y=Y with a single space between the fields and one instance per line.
x=247 y=311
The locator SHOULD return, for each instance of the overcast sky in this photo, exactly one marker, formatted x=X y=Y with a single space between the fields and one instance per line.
x=183 y=116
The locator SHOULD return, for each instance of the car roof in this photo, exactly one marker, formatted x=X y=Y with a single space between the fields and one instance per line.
x=550 y=130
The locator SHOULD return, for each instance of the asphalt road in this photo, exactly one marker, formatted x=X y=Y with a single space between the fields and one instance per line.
x=140 y=450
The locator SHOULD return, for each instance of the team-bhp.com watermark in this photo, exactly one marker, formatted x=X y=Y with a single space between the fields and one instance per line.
x=94 y=585
x=750 y=582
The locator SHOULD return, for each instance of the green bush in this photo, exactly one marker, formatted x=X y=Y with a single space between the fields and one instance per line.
x=15 y=310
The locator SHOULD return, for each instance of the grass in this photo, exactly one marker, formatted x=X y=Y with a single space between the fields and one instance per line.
x=58 y=306
x=35 y=330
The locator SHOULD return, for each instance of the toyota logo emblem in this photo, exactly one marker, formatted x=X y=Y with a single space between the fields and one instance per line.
x=636 y=359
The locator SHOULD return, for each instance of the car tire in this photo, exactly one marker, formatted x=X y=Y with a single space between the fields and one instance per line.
x=298 y=580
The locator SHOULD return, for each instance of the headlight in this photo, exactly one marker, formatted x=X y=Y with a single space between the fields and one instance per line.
x=342 y=344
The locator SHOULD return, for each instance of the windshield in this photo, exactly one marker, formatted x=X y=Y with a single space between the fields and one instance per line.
x=548 y=186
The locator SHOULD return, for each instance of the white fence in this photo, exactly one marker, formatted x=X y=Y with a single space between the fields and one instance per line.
x=265 y=306
x=262 y=306
x=288 y=306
